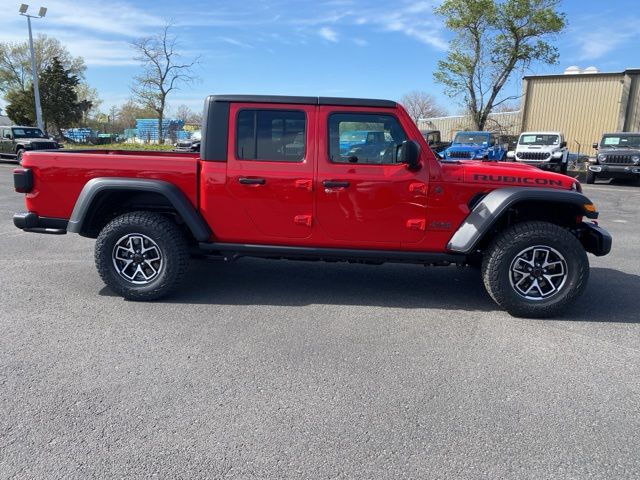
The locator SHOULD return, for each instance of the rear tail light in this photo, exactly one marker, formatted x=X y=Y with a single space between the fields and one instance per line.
x=22 y=180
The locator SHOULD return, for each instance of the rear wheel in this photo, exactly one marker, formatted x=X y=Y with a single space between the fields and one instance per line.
x=535 y=269
x=141 y=255
x=591 y=177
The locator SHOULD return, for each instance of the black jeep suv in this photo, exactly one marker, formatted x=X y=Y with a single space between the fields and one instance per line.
x=618 y=157
x=14 y=141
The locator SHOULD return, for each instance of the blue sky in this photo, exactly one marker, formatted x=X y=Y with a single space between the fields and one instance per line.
x=359 y=48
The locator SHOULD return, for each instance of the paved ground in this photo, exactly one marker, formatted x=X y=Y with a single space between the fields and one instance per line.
x=263 y=369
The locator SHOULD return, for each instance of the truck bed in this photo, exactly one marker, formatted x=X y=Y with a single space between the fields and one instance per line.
x=60 y=175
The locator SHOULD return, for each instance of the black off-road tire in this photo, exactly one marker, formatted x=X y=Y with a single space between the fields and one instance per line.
x=169 y=240
x=591 y=177
x=506 y=247
x=19 y=153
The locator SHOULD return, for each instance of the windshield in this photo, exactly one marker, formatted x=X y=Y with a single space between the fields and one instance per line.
x=471 y=138
x=620 y=141
x=27 y=133
x=539 y=139
x=197 y=135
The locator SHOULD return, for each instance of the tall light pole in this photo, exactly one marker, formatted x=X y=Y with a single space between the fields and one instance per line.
x=36 y=87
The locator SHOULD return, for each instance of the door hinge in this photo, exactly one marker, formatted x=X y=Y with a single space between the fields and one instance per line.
x=305 y=220
x=417 y=224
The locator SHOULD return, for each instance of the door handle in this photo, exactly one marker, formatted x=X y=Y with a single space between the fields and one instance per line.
x=252 y=181
x=335 y=184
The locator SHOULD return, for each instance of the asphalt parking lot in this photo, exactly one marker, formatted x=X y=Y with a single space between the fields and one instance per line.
x=265 y=369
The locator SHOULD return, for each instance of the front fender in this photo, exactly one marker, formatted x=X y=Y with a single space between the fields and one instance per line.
x=488 y=211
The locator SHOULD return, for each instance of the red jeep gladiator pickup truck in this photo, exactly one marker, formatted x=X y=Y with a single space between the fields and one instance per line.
x=273 y=180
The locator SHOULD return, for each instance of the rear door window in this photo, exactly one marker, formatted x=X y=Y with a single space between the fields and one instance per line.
x=271 y=135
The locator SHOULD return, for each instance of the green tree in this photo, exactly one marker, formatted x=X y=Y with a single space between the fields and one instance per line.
x=162 y=72
x=15 y=61
x=60 y=105
x=20 y=106
x=494 y=38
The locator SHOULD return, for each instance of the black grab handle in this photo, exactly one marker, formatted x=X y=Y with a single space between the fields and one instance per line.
x=335 y=184
x=251 y=181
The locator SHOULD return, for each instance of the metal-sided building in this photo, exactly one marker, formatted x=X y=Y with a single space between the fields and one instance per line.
x=582 y=105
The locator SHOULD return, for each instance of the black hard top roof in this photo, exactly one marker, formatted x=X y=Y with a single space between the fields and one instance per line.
x=351 y=102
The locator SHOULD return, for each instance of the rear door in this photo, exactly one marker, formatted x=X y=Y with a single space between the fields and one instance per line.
x=365 y=198
x=5 y=143
x=270 y=169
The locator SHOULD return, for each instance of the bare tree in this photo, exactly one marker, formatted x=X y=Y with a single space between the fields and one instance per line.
x=420 y=105
x=187 y=115
x=162 y=72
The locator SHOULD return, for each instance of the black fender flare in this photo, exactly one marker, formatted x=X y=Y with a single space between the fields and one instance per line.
x=488 y=210
x=94 y=187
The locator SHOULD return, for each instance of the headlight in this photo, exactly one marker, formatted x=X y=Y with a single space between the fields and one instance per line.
x=557 y=155
x=635 y=159
x=481 y=154
x=602 y=157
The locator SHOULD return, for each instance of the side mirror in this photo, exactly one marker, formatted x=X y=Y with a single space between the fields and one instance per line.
x=409 y=154
x=563 y=144
x=431 y=142
x=595 y=146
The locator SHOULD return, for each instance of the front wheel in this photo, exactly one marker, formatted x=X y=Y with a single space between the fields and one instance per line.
x=19 y=154
x=141 y=255
x=591 y=177
x=535 y=269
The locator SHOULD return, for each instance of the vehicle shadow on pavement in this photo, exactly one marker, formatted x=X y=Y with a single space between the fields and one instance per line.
x=611 y=295
x=290 y=283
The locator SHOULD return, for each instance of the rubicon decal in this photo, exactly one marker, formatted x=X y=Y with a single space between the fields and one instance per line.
x=516 y=180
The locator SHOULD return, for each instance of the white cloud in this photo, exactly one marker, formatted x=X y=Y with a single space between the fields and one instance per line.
x=237 y=43
x=360 y=42
x=596 y=44
x=328 y=34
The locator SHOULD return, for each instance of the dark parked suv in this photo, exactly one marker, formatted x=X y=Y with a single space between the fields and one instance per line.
x=14 y=141
x=618 y=157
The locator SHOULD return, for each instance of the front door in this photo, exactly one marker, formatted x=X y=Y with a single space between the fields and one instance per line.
x=365 y=198
x=270 y=170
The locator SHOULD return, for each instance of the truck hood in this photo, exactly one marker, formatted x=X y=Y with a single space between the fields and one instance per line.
x=538 y=148
x=619 y=151
x=506 y=174
x=33 y=140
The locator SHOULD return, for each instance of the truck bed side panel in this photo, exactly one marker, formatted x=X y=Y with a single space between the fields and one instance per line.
x=59 y=177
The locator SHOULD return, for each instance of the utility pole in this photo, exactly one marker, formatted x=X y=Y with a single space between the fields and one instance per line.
x=36 y=87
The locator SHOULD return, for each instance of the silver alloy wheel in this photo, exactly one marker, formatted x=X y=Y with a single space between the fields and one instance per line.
x=537 y=273
x=137 y=258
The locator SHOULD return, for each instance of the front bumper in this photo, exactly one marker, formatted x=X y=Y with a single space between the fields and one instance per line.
x=31 y=222
x=594 y=239
x=615 y=171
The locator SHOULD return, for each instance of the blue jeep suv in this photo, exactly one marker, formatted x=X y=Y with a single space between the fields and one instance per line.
x=475 y=146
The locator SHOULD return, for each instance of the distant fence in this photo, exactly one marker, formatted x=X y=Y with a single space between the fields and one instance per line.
x=507 y=123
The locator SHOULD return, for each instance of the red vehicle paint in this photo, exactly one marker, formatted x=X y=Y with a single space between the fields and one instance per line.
x=304 y=193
